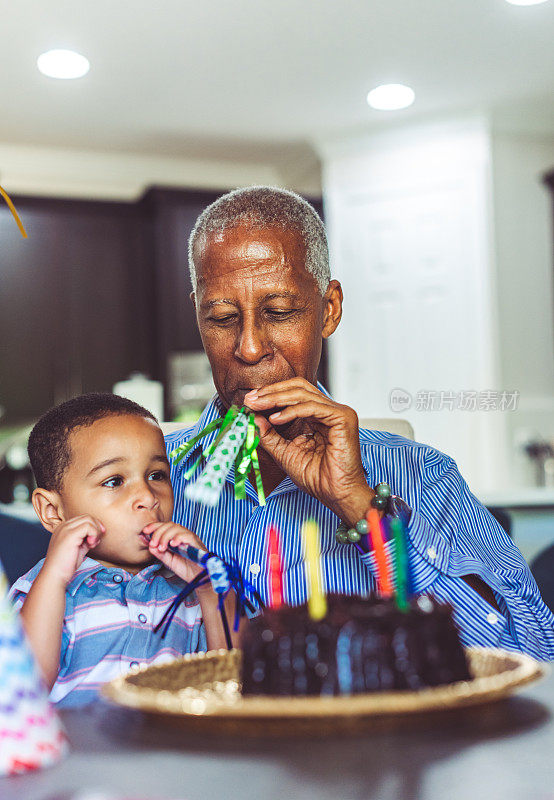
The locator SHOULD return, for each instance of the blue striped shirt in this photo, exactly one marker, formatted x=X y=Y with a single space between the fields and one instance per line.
x=108 y=625
x=450 y=534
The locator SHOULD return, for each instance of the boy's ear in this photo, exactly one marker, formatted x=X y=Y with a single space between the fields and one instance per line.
x=48 y=506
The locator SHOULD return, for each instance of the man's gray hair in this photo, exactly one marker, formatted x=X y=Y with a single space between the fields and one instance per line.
x=262 y=207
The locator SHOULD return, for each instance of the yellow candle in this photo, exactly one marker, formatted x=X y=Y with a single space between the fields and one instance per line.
x=317 y=603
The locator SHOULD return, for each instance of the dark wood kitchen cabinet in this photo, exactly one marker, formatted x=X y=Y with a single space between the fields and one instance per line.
x=73 y=301
x=99 y=289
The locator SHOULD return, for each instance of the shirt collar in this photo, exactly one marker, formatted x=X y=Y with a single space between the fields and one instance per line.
x=213 y=410
x=90 y=567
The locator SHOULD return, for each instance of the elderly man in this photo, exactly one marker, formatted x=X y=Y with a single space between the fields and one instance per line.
x=264 y=302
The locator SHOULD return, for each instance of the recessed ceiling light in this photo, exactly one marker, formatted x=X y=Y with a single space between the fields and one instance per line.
x=391 y=97
x=525 y=2
x=63 y=64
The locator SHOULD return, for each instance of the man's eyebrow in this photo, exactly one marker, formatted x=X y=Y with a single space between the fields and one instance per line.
x=264 y=299
x=212 y=303
x=279 y=295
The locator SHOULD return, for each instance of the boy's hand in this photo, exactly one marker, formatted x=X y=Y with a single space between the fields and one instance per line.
x=169 y=533
x=69 y=544
x=166 y=533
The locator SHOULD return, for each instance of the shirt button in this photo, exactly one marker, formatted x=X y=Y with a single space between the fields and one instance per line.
x=492 y=617
x=255 y=569
x=142 y=617
x=118 y=577
x=134 y=665
x=432 y=553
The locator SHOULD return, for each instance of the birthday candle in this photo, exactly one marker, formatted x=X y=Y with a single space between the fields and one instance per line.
x=317 y=603
x=275 y=569
x=400 y=563
x=383 y=570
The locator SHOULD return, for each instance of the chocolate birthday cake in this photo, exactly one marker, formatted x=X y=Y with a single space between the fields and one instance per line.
x=361 y=645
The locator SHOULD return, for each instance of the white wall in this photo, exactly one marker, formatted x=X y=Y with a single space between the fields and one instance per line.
x=410 y=234
x=442 y=236
x=524 y=233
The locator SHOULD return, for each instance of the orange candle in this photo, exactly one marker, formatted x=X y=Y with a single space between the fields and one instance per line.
x=384 y=578
x=275 y=569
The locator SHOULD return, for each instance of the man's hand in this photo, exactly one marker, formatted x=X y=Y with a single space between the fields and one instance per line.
x=69 y=544
x=324 y=460
x=164 y=534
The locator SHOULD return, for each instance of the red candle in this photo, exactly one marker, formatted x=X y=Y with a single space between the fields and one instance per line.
x=384 y=576
x=275 y=570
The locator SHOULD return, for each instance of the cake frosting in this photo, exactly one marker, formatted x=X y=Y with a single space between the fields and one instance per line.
x=361 y=645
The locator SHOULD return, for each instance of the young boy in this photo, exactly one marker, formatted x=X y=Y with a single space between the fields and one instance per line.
x=89 y=608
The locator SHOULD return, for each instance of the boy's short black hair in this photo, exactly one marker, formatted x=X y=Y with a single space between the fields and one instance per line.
x=49 y=450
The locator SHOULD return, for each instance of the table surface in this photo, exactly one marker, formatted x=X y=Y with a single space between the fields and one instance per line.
x=499 y=750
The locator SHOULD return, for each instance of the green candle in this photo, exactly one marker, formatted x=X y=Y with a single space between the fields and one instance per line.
x=400 y=563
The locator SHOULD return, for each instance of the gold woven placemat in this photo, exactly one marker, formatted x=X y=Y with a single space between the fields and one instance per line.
x=204 y=689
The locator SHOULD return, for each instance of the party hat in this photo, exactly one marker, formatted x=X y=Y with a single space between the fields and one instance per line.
x=31 y=735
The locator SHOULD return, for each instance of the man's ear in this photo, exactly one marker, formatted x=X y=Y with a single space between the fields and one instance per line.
x=333 y=308
x=48 y=506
